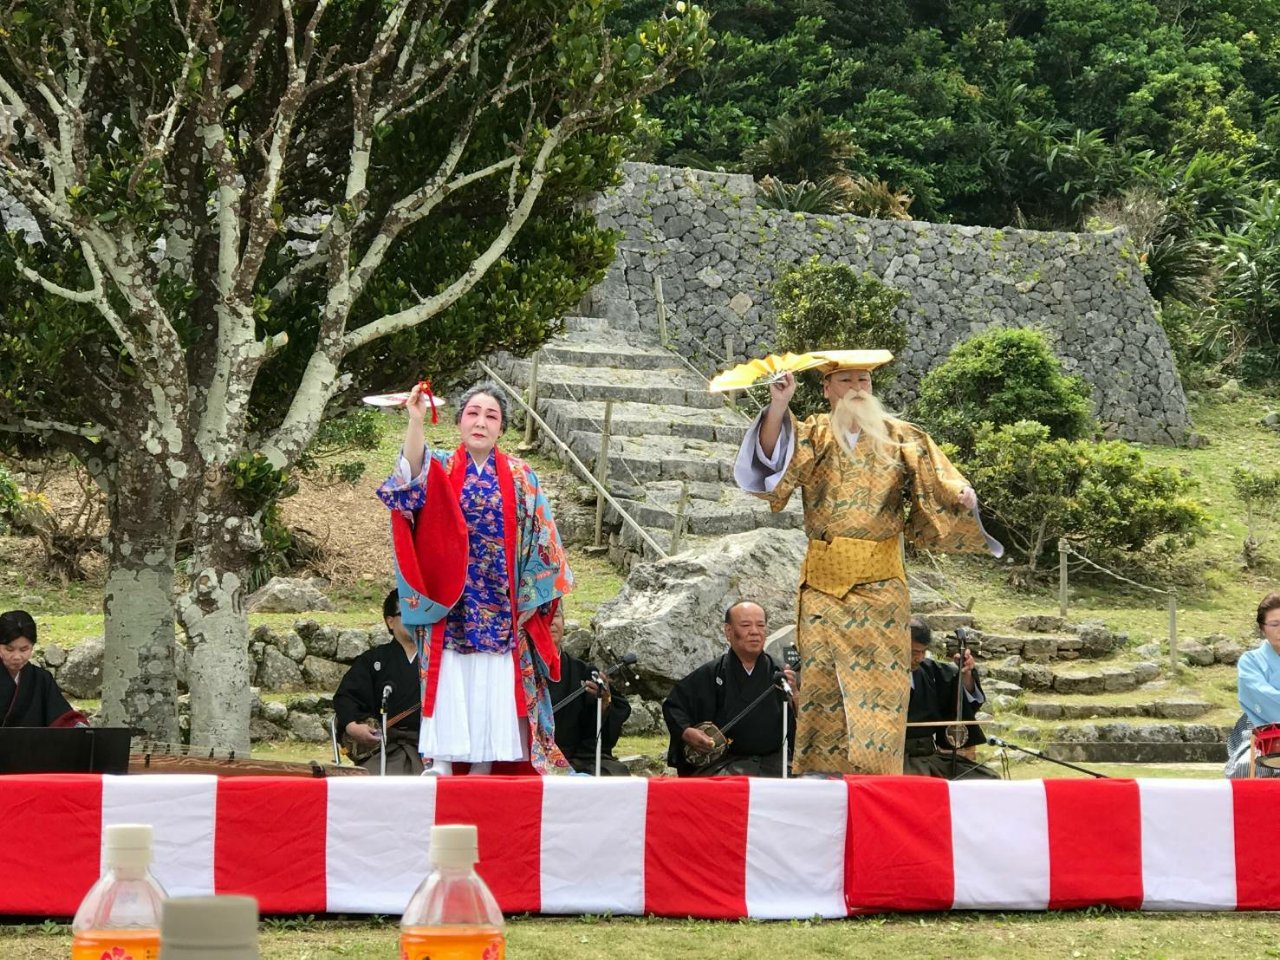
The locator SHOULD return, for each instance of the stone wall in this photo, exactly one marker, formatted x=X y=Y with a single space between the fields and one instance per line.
x=717 y=254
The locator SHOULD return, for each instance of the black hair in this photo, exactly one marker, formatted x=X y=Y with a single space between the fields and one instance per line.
x=391 y=605
x=489 y=389
x=15 y=624
x=920 y=632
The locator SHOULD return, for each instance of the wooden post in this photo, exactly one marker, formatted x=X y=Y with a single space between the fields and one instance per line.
x=677 y=528
x=661 y=302
x=602 y=472
x=1062 y=577
x=1173 y=632
x=533 y=403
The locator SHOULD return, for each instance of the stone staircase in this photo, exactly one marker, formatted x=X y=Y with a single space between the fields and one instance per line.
x=1077 y=694
x=667 y=433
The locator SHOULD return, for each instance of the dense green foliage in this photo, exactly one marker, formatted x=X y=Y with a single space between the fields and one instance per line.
x=10 y=497
x=1001 y=377
x=829 y=306
x=1101 y=496
x=1057 y=114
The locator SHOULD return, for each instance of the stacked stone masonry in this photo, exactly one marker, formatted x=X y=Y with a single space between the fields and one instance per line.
x=717 y=253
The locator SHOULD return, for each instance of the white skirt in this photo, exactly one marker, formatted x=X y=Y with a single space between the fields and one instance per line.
x=475 y=716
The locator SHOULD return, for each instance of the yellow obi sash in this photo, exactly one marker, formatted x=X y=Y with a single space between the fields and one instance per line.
x=838 y=566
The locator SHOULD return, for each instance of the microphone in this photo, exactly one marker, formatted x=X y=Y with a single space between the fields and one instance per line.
x=996 y=742
x=628 y=659
x=780 y=680
x=386 y=695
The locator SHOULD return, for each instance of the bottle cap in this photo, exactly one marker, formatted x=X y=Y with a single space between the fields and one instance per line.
x=127 y=844
x=454 y=845
x=209 y=928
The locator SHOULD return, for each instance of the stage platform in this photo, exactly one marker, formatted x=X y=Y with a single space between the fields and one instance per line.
x=721 y=848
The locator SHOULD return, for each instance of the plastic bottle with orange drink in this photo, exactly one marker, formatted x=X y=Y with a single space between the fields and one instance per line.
x=119 y=918
x=452 y=915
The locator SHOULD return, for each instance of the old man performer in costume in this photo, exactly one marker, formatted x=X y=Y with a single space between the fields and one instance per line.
x=865 y=478
x=480 y=570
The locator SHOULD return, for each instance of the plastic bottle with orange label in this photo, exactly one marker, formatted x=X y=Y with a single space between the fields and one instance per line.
x=452 y=915
x=119 y=918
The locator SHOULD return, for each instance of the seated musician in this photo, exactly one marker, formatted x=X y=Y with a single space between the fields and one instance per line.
x=575 y=726
x=719 y=691
x=933 y=699
x=1258 y=688
x=29 y=695
x=358 y=702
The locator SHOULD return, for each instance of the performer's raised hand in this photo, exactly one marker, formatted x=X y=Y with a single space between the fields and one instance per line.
x=968 y=498
x=417 y=405
x=782 y=389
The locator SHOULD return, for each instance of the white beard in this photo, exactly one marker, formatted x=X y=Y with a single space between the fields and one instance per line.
x=864 y=414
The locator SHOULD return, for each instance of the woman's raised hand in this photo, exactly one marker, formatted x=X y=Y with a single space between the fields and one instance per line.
x=417 y=404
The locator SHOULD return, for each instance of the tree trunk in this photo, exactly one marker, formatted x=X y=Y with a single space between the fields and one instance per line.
x=217 y=624
x=139 y=680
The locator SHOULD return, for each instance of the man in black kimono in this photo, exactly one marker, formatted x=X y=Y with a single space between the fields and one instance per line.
x=576 y=721
x=29 y=696
x=719 y=691
x=359 y=699
x=934 y=687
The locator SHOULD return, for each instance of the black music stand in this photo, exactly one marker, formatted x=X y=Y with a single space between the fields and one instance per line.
x=64 y=749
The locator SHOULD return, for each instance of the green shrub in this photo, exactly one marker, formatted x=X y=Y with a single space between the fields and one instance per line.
x=829 y=306
x=10 y=499
x=1001 y=377
x=1101 y=496
x=1258 y=490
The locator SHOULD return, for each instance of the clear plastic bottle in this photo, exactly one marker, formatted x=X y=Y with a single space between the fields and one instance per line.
x=119 y=918
x=209 y=928
x=452 y=915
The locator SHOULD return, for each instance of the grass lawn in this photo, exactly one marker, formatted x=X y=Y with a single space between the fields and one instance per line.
x=960 y=936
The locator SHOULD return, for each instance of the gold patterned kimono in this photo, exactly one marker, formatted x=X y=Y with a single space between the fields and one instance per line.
x=852 y=623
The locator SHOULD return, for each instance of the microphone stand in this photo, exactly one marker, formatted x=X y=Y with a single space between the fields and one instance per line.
x=997 y=742
x=382 y=714
x=599 y=717
x=785 y=689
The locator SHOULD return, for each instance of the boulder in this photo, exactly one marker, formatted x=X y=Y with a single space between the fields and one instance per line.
x=81 y=675
x=351 y=642
x=54 y=655
x=275 y=711
x=670 y=612
x=289 y=595
x=319 y=641
x=1097 y=641
x=1145 y=671
x=1079 y=682
x=322 y=674
x=304 y=726
x=1196 y=654
x=645 y=720
x=291 y=645
x=260 y=729
x=278 y=672
x=1228 y=651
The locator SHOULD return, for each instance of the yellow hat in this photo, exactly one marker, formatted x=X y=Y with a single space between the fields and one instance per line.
x=835 y=360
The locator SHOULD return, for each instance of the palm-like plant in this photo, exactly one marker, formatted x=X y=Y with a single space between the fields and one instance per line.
x=801 y=146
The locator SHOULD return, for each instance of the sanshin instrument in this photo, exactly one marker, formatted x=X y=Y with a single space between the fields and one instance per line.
x=719 y=735
x=360 y=752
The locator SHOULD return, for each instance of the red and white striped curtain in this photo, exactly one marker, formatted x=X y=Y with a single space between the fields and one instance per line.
x=721 y=848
